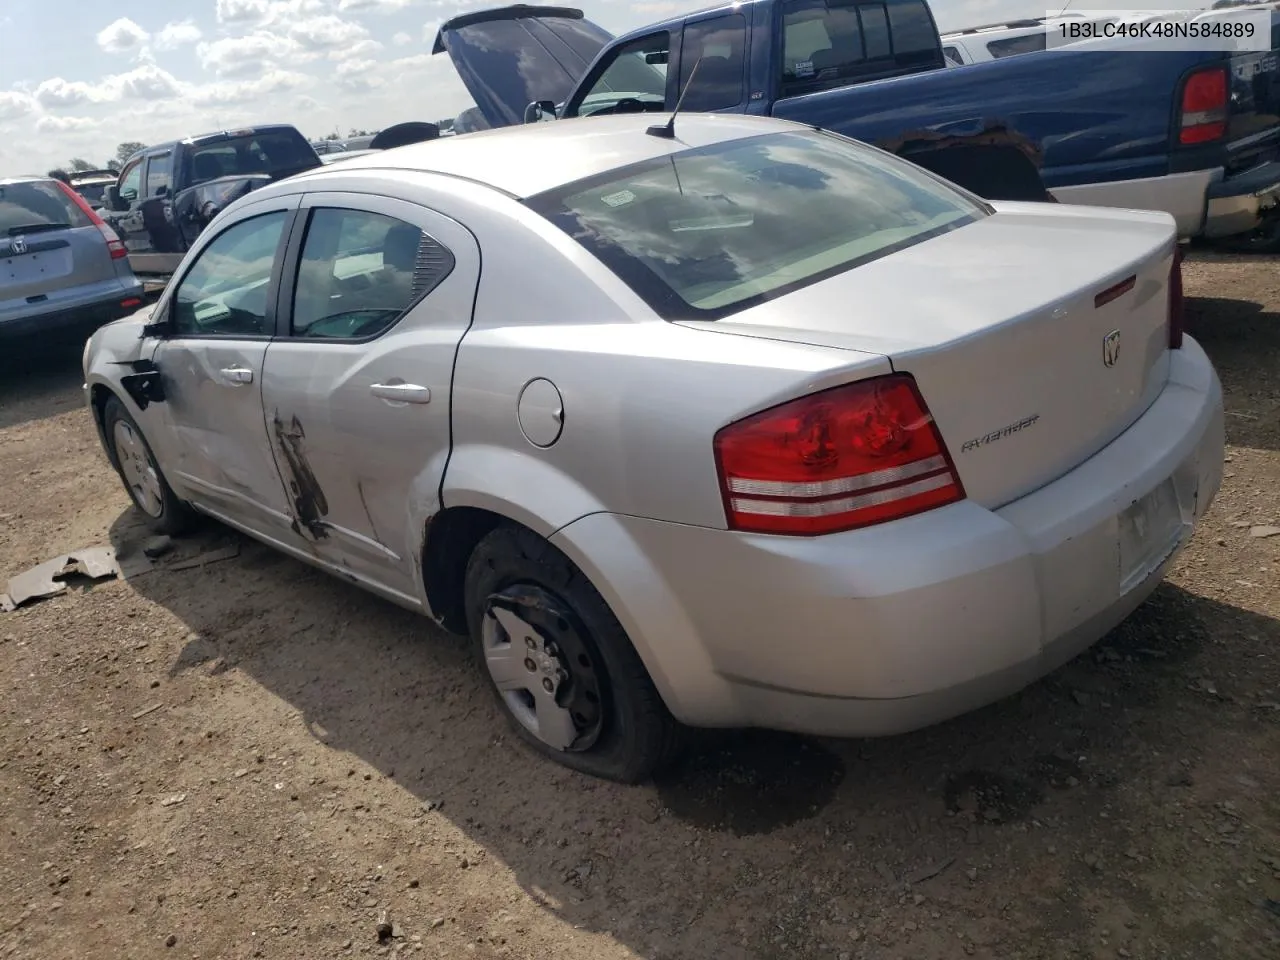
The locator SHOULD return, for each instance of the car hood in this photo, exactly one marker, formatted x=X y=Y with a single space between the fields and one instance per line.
x=510 y=56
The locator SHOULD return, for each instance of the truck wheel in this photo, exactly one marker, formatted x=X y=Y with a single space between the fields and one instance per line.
x=562 y=667
x=131 y=455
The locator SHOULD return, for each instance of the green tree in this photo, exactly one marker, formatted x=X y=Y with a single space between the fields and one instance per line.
x=127 y=150
x=79 y=165
x=59 y=174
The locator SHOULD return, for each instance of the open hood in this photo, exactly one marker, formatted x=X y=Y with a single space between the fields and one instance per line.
x=510 y=56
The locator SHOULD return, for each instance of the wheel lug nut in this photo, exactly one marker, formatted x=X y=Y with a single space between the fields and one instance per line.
x=530 y=665
x=547 y=685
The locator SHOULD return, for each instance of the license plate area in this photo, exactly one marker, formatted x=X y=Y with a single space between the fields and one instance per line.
x=1150 y=530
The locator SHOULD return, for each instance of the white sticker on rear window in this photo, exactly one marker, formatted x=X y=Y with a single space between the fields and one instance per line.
x=619 y=198
x=804 y=68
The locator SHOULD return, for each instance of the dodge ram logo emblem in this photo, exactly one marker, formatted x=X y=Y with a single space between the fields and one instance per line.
x=1111 y=348
x=18 y=245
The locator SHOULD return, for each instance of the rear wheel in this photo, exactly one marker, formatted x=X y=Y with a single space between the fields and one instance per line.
x=131 y=455
x=562 y=667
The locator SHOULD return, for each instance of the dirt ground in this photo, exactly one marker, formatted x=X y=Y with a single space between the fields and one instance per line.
x=250 y=759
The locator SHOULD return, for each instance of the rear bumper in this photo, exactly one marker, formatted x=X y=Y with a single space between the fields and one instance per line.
x=893 y=628
x=1242 y=203
x=1204 y=203
x=83 y=313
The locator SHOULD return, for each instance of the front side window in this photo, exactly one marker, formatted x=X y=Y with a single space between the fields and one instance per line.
x=952 y=56
x=635 y=81
x=158 y=179
x=360 y=272
x=131 y=183
x=711 y=231
x=225 y=291
x=718 y=49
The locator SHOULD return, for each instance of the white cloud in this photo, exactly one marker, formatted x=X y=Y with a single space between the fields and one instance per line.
x=56 y=92
x=250 y=54
x=122 y=36
x=147 y=82
x=375 y=6
x=242 y=11
x=247 y=91
x=327 y=33
x=51 y=124
x=15 y=105
x=401 y=39
x=177 y=34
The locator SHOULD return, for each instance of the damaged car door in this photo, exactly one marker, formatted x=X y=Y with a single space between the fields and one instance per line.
x=376 y=295
x=214 y=328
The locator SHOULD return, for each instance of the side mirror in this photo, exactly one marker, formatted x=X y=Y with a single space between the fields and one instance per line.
x=113 y=198
x=539 y=110
x=159 y=326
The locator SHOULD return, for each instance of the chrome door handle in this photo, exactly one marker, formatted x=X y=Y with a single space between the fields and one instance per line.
x=236 y=375
x=401 y=392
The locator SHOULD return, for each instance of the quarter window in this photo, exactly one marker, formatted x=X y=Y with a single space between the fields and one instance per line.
x=360 y=272
x=719 y=45
x=636 y=80
x=225 y=291
x=1012 y=46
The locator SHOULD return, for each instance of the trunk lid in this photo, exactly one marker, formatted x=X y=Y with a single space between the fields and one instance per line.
x=1027 y=371
x=510 y=56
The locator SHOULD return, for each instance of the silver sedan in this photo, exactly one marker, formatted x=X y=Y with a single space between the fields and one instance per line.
x=749 y=426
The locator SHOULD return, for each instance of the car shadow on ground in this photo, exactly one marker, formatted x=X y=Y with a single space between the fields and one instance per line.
x=41 y=381
x=1243 y=340
x=744 y=812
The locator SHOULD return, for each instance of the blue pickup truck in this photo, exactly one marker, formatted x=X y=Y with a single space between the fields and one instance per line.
x=1196 y=134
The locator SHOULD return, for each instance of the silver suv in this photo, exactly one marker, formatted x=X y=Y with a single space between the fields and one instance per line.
x=61 y=266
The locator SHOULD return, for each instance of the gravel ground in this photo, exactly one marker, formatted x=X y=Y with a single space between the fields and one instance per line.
x=250 y=759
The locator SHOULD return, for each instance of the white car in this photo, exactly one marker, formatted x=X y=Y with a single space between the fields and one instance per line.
x=746 y=425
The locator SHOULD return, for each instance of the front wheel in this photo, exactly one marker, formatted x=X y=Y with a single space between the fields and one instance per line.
x=564 y=670
x=131 y=455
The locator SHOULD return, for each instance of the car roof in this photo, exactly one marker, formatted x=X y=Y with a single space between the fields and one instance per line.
x=553 y=153
x=5 y=181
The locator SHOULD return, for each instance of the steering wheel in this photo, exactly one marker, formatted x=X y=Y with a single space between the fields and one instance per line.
x=625 y=105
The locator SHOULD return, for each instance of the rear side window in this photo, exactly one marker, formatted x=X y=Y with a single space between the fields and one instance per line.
x=718 y=48
x=277 y=153
x=824 y=45
x=360 y=272
x=37 y=205
x=1011 y=46
x=952 y=56
x=710 y=231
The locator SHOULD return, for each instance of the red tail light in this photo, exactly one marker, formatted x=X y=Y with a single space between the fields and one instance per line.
x=1204 y=106
x=1177 y=313
x=852 y=456
x=114 y=243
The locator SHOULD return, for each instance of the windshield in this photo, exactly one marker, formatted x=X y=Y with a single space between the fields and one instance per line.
x=708 y=232
x=277 y=153
x=37 y=205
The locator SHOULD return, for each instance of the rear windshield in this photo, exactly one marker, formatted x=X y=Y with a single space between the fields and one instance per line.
x=37 y=205
x=94 y=193
x=826 y=45
x=707 y=232
x=279 y=153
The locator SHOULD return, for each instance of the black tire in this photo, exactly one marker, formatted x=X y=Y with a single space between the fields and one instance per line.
x=637 y=734
x=1264 y=241
x=175 y=516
